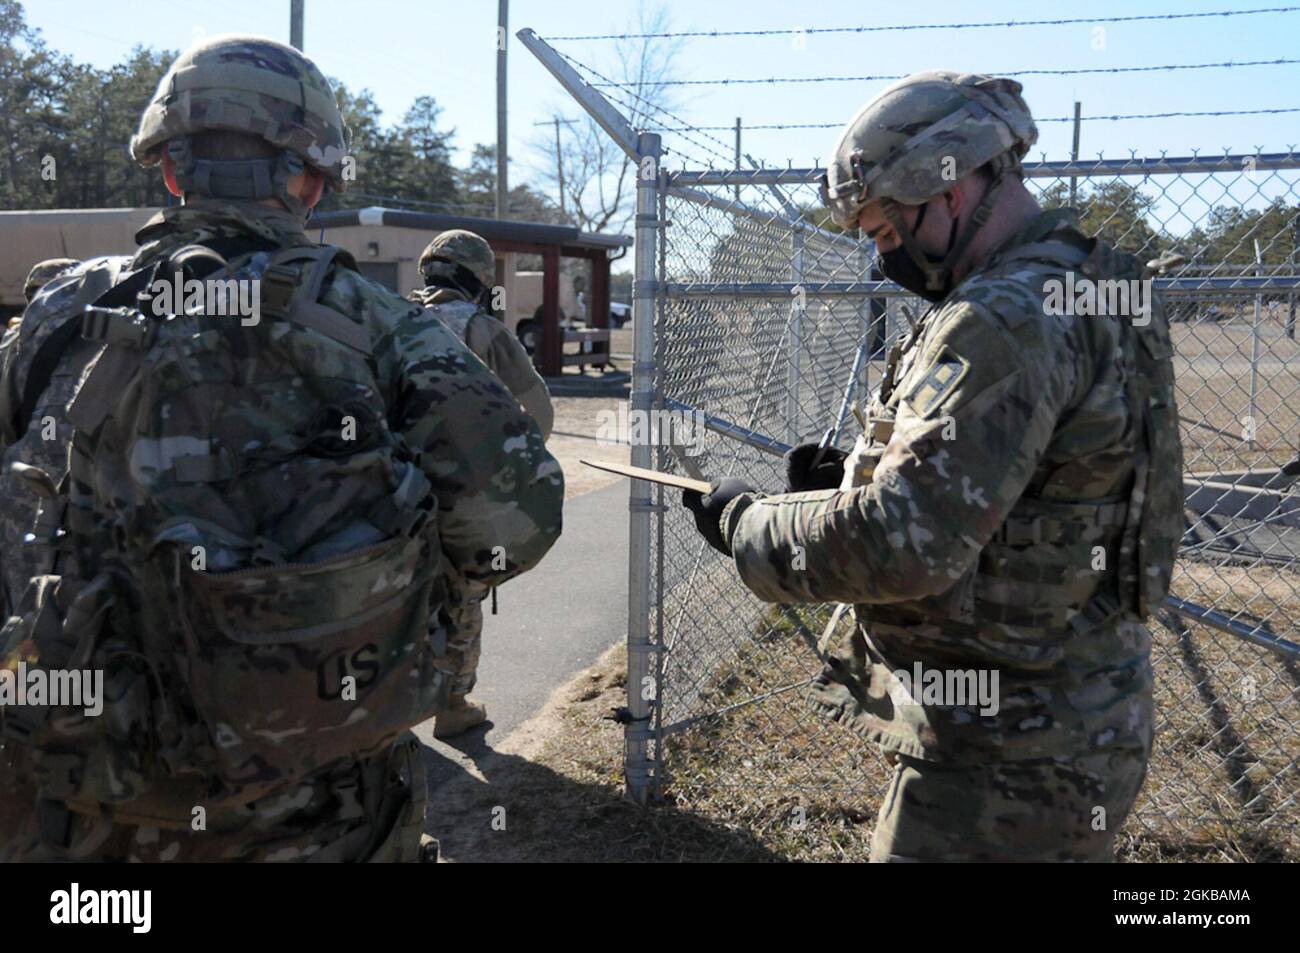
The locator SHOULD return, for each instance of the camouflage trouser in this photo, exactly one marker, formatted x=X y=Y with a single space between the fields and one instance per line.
x=1051 y=809
x=465 y=641
x=369 y=811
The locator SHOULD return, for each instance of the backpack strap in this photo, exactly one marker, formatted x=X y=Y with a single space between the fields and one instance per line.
x=41 y=370
x=292 y=284
x=109 y=372
x=1068 y=248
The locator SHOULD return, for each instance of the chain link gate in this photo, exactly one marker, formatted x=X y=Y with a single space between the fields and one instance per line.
x=751 y=318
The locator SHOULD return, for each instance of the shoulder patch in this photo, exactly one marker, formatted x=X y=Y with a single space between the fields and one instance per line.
x=1014 y=297
x=942 y=377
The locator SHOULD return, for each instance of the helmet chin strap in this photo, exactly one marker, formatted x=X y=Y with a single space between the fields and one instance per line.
x=245 y=180
x=938 y=275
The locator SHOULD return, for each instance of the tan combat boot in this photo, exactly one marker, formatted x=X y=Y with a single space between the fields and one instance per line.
x=461 y=715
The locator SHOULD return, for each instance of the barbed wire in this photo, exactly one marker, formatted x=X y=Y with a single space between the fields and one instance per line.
x=685 y=128
x=840 y=125
x=607 y=83
x=631 y=109
x=1077 y=71
x=984 y=24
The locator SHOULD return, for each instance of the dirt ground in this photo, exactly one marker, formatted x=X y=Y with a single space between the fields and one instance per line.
x=577 y=423
x=553 y=792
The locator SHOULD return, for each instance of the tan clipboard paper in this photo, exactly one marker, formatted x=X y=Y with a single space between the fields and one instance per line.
x=652 y=476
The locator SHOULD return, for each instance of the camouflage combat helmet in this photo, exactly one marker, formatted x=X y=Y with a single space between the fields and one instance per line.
x=43 y=272
x=247 y=84
x=915 y=140
x=459 y=249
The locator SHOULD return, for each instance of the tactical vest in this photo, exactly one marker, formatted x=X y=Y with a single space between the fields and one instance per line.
x=1038 y=582
x=450 y=307
x=457 y=315
x=263 y=579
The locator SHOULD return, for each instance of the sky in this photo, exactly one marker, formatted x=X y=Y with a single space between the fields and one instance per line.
x=400 y=49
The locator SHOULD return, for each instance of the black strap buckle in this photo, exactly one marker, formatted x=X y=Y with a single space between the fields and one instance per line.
x=1017 y=531
x=278 y=285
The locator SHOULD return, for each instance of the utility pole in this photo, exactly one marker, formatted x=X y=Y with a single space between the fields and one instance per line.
x=503 y=26
x=737 y=155
x=1074 y=156
x=295 y=24
x=559 y=158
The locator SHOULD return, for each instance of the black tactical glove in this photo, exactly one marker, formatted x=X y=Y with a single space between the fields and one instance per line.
x=707 y=509
x=801 y=475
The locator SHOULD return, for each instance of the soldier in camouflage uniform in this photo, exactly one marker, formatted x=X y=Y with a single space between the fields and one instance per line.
x=43 y=272
x=459 y=270
x=1014 y=508
x=279 y=144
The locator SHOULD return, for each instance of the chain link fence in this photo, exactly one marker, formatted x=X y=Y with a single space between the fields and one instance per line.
x=753 y=316
x=774 y=326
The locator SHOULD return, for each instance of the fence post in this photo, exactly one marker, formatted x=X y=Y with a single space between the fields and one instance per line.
x=636 y=759
x=795 y=350
x=1295 y=267
x=1254 y=350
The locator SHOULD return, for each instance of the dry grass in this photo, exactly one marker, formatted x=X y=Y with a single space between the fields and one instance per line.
x=561 y=794
x=1213 y=367
x=1223 y=782
x=772 y=781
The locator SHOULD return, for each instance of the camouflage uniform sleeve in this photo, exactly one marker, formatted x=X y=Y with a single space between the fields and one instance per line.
x=499 y=492
x=9 y=387
x=60 y=300
x=502 y=352
x=18 y=343
x=976 y=412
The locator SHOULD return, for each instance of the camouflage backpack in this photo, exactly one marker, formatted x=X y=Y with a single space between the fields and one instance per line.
x=1156 y=520
x=258 y=551
x=1153 y=522
x=1151 y=527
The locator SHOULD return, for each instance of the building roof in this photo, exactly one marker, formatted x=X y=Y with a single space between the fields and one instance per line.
x=489 y=228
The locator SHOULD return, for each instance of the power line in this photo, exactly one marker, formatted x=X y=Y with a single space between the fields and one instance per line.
x=1023 y=72
x=985 y=24
x=484 y=207
x=840 y=125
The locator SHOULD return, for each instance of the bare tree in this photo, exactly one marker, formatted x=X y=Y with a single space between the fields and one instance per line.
x=599 y=184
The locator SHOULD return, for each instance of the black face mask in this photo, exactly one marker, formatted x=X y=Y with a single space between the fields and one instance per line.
x=898 y=265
